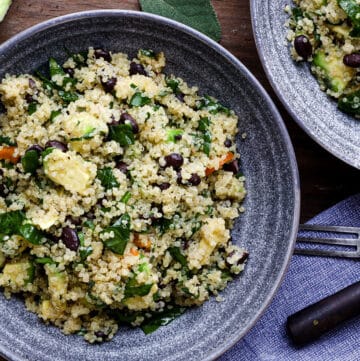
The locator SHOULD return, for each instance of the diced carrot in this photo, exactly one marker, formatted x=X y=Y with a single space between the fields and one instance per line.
x=134 y=251
x=8 y=154
x=225 y=159
x=209 y=171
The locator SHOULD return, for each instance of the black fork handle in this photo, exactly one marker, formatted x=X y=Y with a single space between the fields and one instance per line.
x=318 y=318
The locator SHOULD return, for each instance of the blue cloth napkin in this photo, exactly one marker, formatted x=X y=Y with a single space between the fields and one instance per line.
x=308 y=280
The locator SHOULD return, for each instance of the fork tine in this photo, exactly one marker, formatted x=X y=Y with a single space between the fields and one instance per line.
x=336 y=229
x=335 y=241
x=354 y=242
x=326 y=253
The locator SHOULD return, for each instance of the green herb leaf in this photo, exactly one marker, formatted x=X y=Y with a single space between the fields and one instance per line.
x=32 y=108
x=10 y=222
x=147 y=52
x=44 y=260
x=173 y=133
x=173 y=84
x=126 y=197
x=212 y=105
x=55 y=68
x=6 y=140
x=163 y=224
x=198 y=14
x=31 y=233
x=122 y=134
x=352 y=10
x=46 y=152
x=88 y=135
x=30 y=161
x=89 y=224
x=107 y=178
x=132 y=288
x=121 y=230
x=68 y=97
x=54 y=114
x=162 y=319
x=139 y=100
x=30 y=274
x=176 y=254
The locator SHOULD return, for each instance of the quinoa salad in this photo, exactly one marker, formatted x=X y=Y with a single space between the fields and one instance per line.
x=326 y=33
x=119 y=188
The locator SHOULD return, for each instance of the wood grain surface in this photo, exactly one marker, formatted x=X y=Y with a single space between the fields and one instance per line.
x=325 y=180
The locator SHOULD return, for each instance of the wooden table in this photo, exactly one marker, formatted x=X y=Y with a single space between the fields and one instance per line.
x=325 y=180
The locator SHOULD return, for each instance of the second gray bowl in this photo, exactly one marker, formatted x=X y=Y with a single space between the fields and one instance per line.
x=267 y=228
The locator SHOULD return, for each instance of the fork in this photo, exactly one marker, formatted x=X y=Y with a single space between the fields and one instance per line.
x=331 y=240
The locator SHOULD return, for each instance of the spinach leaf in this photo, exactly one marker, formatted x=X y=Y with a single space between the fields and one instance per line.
x=176 y=254
x=132 y=288
x=89 y=224
x=161 y=319
x=139 y=100
x=30 y=161
x=122 y=134
x=55 y=68
x=54 y=114
x=212 y=105
x=31 y=233
x=297 y=13
x=205 y=136
x=121 y=230
x=30 y=273
x=10 y=222
x=198 y=14
x=107 y=178
x=352 y=10
x=6 y=140
x=32 y=108
x=46 y=152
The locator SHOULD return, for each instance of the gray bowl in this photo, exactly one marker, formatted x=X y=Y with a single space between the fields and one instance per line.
x=267 y=228
x=312 y=109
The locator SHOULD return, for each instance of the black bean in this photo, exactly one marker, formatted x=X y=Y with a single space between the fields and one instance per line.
x=178 y=137
x=232 y=167
x=56 y=144
x=2 y=190
x=164 y=186
x=101 y=53
x=1 y=172
x=180 y=96
x=174 y=160
x=128 y=119
x=108 y=85
x=122 y=166
x=228 y=143
x=243 y=258
x=100 y=334
x=113 y=121
x=29 y=98
x=184 y=243
x=32 y=83
x=195 y=179
x=36 y=147
x=89 y=215
x=70 y=238
x=303 y=46
x=352 y=60
x=136 y=68
x=178 y=177
x=75 y=221
x=69 y=71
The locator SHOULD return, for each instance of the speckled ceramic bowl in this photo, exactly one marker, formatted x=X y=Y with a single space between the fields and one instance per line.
x=312 y=109
x=267 y=228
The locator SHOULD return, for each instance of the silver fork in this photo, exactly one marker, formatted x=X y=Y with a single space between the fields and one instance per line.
x=334 y=241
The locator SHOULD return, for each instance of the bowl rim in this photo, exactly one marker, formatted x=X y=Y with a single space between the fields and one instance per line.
x=232 y=339
x=283 y=99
